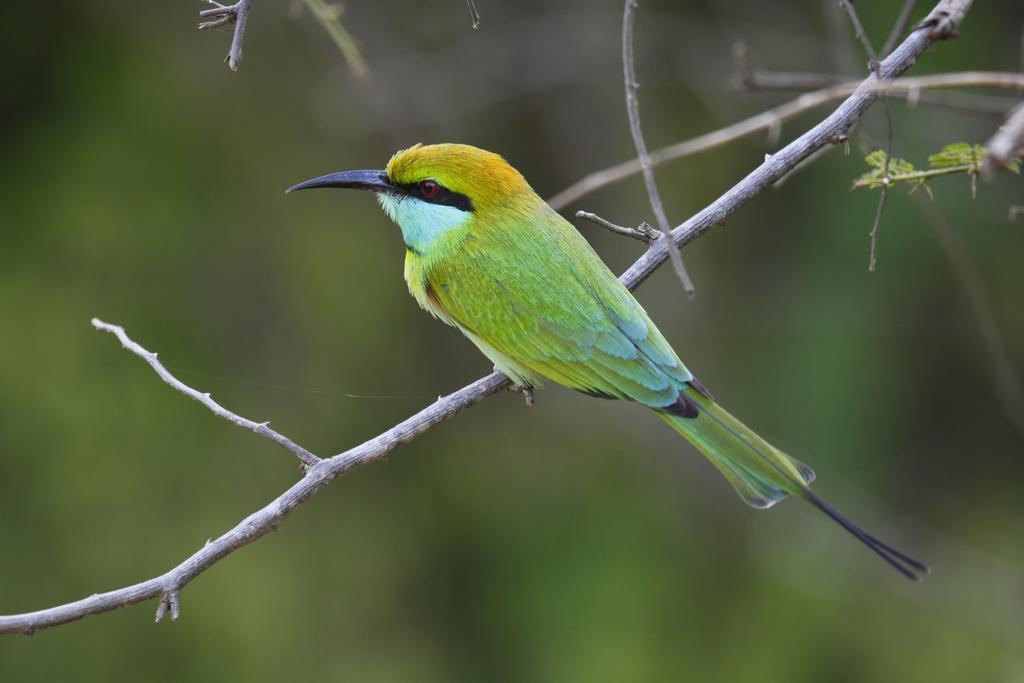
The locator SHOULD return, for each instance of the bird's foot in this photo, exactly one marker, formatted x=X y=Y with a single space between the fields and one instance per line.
x=527 y=393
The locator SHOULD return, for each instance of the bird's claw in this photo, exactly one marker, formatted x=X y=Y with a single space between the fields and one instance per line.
x=527 y=393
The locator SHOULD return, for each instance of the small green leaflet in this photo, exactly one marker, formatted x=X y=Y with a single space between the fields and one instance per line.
x=877 y=176
x=959 y=157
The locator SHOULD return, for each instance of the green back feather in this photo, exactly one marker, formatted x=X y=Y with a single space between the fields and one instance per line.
x=528 y=284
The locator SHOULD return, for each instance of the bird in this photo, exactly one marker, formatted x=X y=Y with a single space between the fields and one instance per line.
x=488 y=256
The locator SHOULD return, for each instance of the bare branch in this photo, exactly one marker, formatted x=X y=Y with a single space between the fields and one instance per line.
x=236 y=14
x=261 y=428
x=945 y=19
x=778 y=115
x=835 y=87
x=749 y=79
x=782 y=80
x=474 y=15
x=942 y=22
x=1008 y=140
x=328 y=16
x=167 y=587
x=809 y=160
x=633 y=110
x=643 y=232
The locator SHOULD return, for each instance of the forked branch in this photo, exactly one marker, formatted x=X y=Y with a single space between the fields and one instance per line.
x=635 y=129
x=643 y=232
x=327 y=14
x=236 y=14
x=772 y=120
x=941 y=23
x=261 y=428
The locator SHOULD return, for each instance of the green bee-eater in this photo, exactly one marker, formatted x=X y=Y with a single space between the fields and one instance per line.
x=487 y=255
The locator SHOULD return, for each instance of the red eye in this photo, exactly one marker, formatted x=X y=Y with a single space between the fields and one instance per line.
x=429 y=189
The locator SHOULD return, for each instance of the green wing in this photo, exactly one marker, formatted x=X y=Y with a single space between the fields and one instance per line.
x=543 y=299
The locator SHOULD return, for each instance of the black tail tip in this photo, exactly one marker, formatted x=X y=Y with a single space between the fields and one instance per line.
x=915 y=570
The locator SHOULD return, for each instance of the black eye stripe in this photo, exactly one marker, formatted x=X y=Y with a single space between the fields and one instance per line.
x=444 y=196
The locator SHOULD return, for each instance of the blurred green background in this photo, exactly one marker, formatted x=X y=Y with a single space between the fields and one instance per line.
x=142 y=182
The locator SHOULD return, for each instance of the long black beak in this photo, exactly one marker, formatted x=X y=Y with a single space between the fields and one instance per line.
x=375 y=181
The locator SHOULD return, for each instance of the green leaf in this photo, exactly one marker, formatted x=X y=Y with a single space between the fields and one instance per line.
x=958 y=154
x=955 y=158
x=876 y=158
x=897 y=166
x=878 y=177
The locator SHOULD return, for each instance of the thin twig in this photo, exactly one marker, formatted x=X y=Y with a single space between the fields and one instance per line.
x=261 y=428
x=236 y=14
x=167 y=587
x=782 y=80
x=836 y=86
x=916 y=176
x=643 y=232
x=474 y=15
x=329 y=17
x=838 y=38
x=873 y=257
x=874 y=67
x=899 y=27
x=941 y=23
x=777 y=115
x=633 y=111
x=858 y=29
x=1008 y=141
